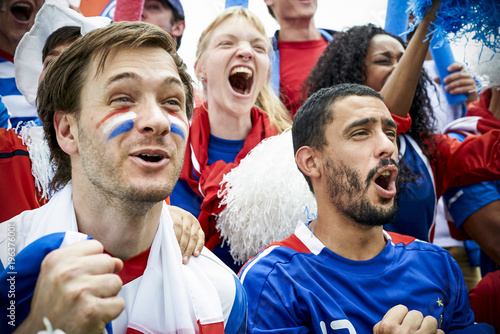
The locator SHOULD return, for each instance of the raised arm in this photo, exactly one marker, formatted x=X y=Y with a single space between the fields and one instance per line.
x=483 y=226
x=399 y=90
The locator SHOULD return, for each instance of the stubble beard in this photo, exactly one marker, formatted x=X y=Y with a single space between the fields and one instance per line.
x=348 y=194
x=108 y=180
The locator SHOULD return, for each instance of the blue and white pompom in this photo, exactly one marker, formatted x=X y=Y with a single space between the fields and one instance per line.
x=485 y=67
x=478 y=20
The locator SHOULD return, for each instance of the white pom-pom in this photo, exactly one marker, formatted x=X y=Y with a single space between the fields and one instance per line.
x=41 y=168
x=484 y=65
x=265 y=197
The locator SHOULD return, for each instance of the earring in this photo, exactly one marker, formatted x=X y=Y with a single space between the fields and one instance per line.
x=202 y=78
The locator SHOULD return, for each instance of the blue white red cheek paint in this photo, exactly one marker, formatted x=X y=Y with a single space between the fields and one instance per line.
x=117 y=123
x=178 y=126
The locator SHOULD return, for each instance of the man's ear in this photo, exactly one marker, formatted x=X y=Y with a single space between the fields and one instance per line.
x=178 y=28
x=66 y=131
x=306 y=160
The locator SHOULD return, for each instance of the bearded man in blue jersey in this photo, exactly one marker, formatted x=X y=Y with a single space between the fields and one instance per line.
x=341 y=272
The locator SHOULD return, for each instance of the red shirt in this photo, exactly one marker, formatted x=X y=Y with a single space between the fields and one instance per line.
x=484 y=300
x=297 y=59
x=18 y=192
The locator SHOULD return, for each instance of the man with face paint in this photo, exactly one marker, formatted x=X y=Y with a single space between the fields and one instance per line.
x=341 y=273
x=115 y=107
x=25 y=170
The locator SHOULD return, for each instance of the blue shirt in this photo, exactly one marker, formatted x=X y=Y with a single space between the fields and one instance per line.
x=462 y=202
x=4 y=116
x=19 y=110
x=300 y=286
x=184 y=197
x=417 y=201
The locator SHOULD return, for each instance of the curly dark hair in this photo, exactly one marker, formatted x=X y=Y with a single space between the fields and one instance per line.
x=343 y=61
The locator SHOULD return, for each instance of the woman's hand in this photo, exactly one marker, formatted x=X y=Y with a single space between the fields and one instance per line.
x=188 y=232
x=460 y=82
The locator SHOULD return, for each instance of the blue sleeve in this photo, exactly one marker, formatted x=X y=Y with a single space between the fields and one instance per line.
x=18 y=280
x=275 y=65
x=237 y=321
x=4 y=116
x=464 y=201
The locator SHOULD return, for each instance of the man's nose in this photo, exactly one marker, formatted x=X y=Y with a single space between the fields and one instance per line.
x=385 y=147
x=152 y=118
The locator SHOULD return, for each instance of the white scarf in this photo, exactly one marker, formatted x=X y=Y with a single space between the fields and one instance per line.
x=171 y=298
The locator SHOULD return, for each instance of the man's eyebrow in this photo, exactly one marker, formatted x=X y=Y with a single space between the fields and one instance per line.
x=386 y=121
x=134 y=76
x=390 y=122
x=173 y=81
x=121 y=76
x=359 y=122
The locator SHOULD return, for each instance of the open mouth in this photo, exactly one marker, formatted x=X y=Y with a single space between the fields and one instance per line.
x=150 y=157
x=22 y=11
x=384 y=180
x=241 y=79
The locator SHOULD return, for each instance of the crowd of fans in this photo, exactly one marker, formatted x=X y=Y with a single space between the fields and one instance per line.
x=109 y=158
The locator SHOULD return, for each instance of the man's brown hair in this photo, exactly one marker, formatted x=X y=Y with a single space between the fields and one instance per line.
x=62 y=86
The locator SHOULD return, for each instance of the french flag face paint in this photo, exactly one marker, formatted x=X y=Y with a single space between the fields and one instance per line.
x=178 y=126
x=117 y=122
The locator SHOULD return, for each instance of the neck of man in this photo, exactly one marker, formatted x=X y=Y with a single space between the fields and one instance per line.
x=298 y=30
x=346 y=237
x=229 y=125
x=125 y=228
x=494 y=106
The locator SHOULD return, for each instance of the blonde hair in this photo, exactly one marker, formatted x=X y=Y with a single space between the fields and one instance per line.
x=267 y=99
